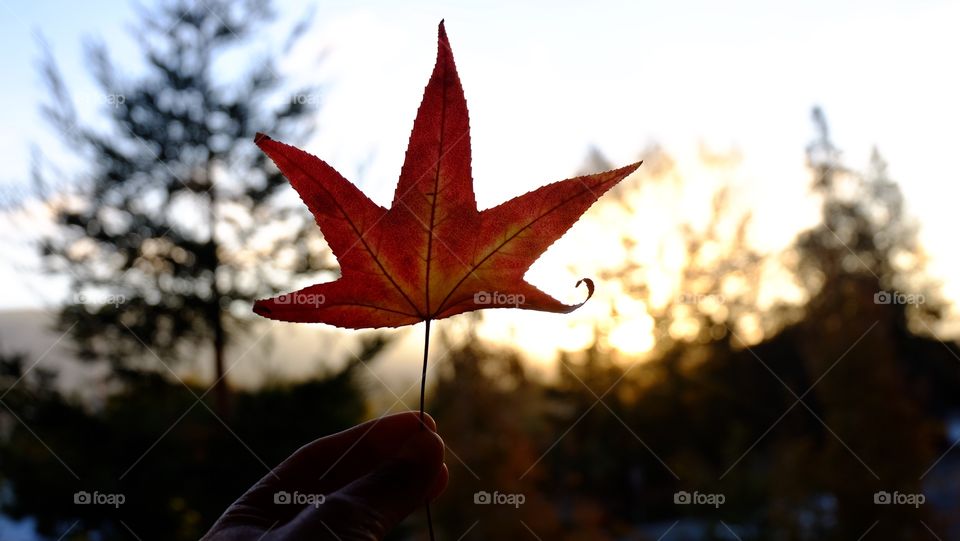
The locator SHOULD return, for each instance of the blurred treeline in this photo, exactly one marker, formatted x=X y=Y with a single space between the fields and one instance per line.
x=832 y=399
x=797 y=411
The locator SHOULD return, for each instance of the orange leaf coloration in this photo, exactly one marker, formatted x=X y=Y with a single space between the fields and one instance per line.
x=432 y=254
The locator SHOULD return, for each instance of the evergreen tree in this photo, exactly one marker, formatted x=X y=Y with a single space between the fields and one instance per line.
x=863 y=267
x=178 y=223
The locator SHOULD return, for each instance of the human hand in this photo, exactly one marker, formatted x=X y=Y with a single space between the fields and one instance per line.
x=354 y=485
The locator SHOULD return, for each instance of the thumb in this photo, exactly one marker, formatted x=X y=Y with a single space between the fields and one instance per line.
x=372 y=505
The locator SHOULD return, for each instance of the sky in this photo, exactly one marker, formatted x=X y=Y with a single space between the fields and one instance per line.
x=545 y=81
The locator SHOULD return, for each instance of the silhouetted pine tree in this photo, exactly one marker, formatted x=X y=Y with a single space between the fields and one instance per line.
x=176 y=224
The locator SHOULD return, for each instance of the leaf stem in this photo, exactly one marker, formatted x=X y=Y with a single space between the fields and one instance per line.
x=423 y=384
x=423 y=375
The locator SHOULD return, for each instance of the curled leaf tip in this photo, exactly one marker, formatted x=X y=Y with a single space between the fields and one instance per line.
x=590 y=288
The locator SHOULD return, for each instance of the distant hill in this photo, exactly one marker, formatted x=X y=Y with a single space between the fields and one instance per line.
x=270 y=352
x=32 y=334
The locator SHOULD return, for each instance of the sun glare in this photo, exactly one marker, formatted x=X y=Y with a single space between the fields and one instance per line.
x=631 y=244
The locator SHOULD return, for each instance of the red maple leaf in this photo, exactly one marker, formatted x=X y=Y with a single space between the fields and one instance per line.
x=432 y=254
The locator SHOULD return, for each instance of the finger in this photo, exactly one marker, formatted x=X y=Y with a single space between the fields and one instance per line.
x=440 y=484
x=375 y=503
x=342 y=457
x=329 y=463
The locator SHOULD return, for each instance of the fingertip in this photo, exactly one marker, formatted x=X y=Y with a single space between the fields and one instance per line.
x=440 y=484
x=411 y=420
x=424 y=447
x=429 y=421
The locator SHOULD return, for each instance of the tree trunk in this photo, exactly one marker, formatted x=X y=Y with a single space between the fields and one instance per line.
x=221 y=389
